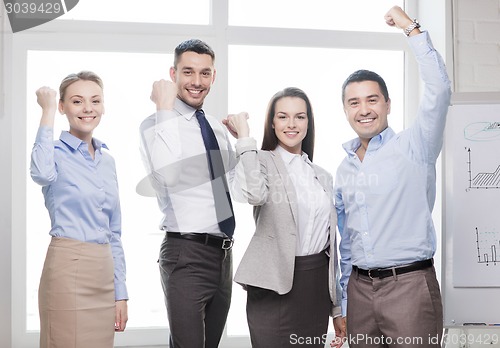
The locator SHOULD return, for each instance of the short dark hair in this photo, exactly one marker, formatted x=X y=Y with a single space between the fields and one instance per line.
x=366 y=75
x=270 y=140
x=192 y=45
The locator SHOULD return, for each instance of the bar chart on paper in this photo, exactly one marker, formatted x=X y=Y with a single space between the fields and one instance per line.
x=471 y=239
x=477 y=227
x=476 y=198
x=485 y=179
x=488 y=244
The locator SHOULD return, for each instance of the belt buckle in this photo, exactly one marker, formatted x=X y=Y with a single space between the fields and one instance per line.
x=227 y=243
x=370 y=274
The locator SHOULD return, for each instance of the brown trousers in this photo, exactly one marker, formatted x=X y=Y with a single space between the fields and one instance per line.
x=76 y=297
x=397 y=312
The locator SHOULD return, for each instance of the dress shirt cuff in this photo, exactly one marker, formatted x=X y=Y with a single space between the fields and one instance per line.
x=45 y=135
x=245 y=144
x=421 y=44
x=336 y=312
x=121 y=292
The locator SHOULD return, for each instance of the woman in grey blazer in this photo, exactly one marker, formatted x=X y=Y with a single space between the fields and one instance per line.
x=290 y=268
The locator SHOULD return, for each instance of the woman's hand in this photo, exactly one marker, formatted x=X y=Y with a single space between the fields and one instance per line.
x=46 y=98
x=237 y=125
x=121 y=315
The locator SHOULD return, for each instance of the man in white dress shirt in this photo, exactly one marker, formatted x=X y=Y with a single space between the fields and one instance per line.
x=195 y=257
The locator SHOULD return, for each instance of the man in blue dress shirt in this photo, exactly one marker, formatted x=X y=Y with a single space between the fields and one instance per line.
x=385 y=192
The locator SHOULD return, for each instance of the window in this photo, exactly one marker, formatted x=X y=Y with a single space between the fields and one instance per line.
x=144 y=11
x=126 y=98
x=254 y=77
x=252 y=63
x=257 y=72
x=126 y=93
x=354 y=15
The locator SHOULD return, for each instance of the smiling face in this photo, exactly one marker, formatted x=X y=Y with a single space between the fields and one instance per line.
x=290 y=123
x=366 y=109
x=194 y=75
x=83 y=106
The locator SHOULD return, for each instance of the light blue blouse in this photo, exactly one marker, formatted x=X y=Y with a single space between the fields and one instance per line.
x=81 y=194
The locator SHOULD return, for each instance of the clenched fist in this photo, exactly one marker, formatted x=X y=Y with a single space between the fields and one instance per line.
x=237 y=125
x=398 y=18
x=163 y=94
x=46 y=98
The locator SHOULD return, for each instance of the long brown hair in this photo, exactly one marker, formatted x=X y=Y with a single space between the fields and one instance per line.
x=270 y=140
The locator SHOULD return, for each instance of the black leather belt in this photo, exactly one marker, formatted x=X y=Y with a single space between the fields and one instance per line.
x=204 y=238
x=392 y=271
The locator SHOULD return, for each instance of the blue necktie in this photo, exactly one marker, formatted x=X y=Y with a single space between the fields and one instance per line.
x=223 y=204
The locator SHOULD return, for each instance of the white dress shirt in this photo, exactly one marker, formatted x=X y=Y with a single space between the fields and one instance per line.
x=175 y=158
x=312 y=201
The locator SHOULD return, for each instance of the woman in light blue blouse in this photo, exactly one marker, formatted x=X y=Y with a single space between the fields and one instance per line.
x=82 y=294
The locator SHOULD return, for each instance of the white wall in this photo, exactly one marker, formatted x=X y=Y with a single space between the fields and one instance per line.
x=477 y=49
x=5 y=190
x=476 y=62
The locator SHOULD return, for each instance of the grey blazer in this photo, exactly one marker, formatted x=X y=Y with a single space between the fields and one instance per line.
x=269 y=261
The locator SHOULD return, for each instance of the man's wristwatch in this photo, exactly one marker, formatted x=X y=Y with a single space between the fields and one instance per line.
x=411 y=27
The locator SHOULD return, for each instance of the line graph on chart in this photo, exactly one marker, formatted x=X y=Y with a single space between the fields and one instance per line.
x=488 y=179
x=472 y=229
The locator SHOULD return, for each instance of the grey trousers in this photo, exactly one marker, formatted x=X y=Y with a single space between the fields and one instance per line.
x=402 y=312
x=197 y=282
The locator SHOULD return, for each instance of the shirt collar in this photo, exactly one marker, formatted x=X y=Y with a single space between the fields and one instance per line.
x=74 y=142
x=185 y=110
x=375 y=143
x=99 y=144
x=288 y=157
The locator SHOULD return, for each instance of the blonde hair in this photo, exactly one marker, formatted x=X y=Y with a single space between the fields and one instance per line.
x=72 y=78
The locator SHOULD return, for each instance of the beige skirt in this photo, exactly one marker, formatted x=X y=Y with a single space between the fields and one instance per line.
x=76 y=297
